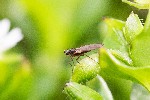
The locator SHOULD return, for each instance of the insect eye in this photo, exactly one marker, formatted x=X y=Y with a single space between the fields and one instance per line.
x=67 y=52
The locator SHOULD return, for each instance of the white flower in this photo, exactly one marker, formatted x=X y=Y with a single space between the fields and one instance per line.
x=8 y=39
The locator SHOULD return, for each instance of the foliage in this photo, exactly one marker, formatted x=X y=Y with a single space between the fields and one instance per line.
x=124 y=58
x=37 y=69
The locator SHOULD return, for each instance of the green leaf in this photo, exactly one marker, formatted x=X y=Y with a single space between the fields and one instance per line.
x=122 y=56
x=81 y=92
x=86 y=69
x=115 y=40
x=119 y=87
x=99 y=85
x=142 y=1
x=139 y=93
x=140 y=51
x=19 y=79
x=9 y=63
x=133 y=27
x=110 y=66
x=141 y=4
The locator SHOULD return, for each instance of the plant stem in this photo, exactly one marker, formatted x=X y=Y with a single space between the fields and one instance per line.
x=147 y=22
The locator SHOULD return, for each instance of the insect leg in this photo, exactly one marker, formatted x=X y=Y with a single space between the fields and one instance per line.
x=91 y=58
x=70 y=64
x=72 y=60
x=78 y=59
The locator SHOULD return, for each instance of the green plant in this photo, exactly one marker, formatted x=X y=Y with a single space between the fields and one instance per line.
x=123 y=61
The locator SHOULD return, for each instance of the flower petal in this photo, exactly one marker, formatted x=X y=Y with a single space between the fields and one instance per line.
x=11 y=39
x=4 y=27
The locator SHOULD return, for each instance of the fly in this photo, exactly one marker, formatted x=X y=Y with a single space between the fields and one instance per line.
x=81 y=50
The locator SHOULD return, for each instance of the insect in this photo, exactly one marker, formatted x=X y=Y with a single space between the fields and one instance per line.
x=82 y=50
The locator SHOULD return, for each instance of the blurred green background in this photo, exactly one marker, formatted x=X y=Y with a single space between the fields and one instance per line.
x=37 y=68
